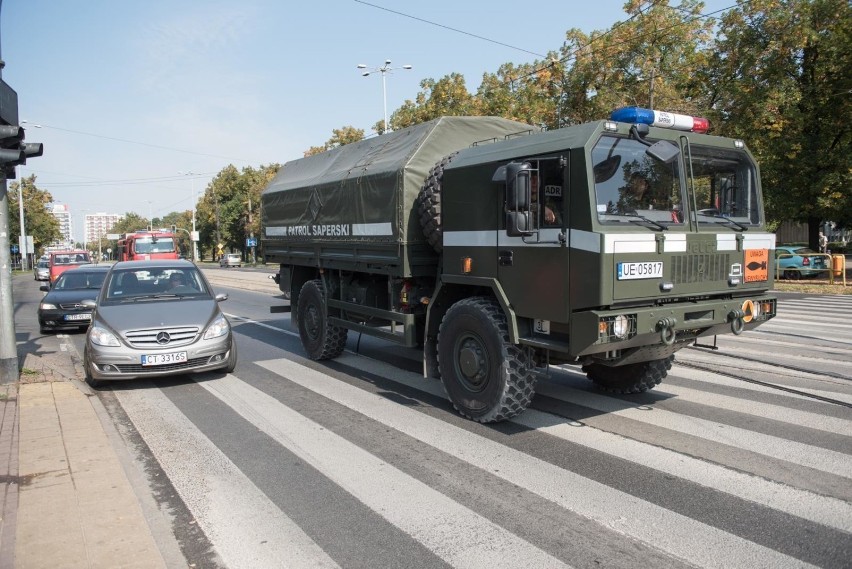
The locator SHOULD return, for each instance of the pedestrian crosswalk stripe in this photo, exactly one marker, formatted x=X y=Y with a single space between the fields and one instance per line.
x=458 y=535
x=677 y=534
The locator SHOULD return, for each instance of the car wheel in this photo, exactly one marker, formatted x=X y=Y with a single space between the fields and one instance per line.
x=87 y=366
x=232 y=357
x=791 y=274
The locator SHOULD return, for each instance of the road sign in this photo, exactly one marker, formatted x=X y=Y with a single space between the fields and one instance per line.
x=15 y=249
x=250 y=242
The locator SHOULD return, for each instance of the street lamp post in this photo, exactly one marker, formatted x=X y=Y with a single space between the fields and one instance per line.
x=194 y=233
x=384 y=70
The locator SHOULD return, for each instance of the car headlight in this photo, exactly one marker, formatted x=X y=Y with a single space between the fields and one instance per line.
x=103 y=337
x=219 y=327
x=47 y=306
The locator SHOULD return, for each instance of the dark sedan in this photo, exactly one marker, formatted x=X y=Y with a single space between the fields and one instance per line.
x=62 y=307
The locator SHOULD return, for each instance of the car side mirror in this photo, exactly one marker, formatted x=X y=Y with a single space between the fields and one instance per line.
x=45 y=288
x=221 y=296
x=88 y=303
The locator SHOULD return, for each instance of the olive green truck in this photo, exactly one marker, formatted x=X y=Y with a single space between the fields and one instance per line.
x=502 y=250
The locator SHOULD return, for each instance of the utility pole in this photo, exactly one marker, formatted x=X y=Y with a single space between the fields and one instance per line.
x=13 y=152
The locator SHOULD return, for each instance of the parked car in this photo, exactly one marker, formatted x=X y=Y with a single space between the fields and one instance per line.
x=231 y=260
x=156 y=318
x=62 y=307
x=41 y=271
x=795 y=262
x=60 y=261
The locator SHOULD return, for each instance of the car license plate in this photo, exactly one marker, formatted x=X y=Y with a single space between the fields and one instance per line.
x=647 y=270
x=86 y=316
x=163 y=359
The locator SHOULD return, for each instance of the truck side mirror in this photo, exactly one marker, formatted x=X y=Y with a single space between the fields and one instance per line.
x=518 y=193
x=518 y=223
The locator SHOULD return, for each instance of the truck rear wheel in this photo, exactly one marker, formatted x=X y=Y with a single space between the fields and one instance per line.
x=321 y=340
x=485 y=376
x=630 y=378
x=429 y=204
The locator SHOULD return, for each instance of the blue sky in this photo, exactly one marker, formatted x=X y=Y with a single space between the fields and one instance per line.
x=129 y=94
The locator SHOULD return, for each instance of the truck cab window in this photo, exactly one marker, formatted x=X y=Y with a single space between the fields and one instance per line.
x=629 y=183
x=547 y=193
x=725 y=185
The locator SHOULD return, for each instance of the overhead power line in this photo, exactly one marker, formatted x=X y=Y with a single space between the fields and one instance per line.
x=136 y=142
x=449 y=28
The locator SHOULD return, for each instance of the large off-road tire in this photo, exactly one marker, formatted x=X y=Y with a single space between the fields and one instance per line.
x=630 y=378
x=321 y=340
x=486 y=377
x=429 y=204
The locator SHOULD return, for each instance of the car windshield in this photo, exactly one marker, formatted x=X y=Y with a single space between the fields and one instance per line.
x=43 y=265
x=805 y=251
x=160 y=283
x=79 y=280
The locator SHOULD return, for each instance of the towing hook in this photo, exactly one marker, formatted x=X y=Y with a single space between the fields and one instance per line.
x=666 y=326
x=737 y=322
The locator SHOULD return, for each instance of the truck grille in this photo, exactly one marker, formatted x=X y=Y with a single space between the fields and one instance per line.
x=699 y=268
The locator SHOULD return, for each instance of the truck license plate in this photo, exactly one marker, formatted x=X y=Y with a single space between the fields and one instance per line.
x=647 y=270
x=163 y=359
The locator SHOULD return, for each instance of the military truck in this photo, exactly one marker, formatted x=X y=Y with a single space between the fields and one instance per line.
x=502 y=250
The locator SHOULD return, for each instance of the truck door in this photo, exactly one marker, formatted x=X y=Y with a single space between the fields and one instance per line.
x=533 y=268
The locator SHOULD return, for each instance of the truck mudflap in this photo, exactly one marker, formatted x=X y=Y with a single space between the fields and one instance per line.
x=633 y=334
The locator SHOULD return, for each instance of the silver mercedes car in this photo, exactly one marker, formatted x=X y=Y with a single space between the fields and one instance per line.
x=156 y=318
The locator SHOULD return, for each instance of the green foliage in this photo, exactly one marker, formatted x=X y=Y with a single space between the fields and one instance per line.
x=774 y=73
x=38 y=221
x=785 y=65
x=229 y=210
x=339 y=137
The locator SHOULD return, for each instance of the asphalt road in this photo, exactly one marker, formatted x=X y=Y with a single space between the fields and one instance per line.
x=741 y=458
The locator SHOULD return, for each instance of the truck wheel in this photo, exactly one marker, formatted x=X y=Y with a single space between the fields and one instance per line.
x=429 y=204
x=320 y=340
x=630 y=378
x=485 y=376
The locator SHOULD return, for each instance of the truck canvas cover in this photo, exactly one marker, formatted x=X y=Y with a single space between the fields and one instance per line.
x=366 y=191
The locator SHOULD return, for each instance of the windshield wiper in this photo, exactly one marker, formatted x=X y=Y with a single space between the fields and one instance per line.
x=738 y=225
x=645 y=219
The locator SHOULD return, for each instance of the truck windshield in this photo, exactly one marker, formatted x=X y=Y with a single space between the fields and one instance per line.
x=161 y=245
x=725 y=182
x=631 y=184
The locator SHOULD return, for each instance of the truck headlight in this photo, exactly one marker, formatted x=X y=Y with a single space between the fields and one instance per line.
x=620 y=326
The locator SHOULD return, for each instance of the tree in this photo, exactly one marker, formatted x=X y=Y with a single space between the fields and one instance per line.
x=647 y=60
x=783 y=67
x=339 y=137
x=38 y=221
x=446 y=97
x=229 y=210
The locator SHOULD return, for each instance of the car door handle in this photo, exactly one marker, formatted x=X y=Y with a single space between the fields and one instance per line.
x=506 y=258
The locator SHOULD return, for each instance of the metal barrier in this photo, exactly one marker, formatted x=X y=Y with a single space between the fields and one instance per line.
x=832 y=266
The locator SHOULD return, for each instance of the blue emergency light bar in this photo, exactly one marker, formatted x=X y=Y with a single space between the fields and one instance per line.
x=638 y=115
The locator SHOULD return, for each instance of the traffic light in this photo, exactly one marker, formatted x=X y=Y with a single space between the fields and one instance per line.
x=14 y=151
